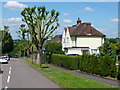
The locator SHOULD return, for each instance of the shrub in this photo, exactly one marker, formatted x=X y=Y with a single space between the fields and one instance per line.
x=68 y=62
x=99 y=65
x=104 y=65
x=54 y=47
x=113 y=71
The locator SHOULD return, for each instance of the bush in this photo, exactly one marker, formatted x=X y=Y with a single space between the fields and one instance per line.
x=104 y=65
x=113 y=71
x=93 y=64
x=54 y=47
x=68 y=62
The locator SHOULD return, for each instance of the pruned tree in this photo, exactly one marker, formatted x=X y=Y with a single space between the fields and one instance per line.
x=25 y=44
x=22 y=32
x=42 y=24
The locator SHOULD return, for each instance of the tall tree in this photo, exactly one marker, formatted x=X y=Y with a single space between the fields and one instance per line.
x=25 y=45
x=22 y=32
x=105 y=49
x=41 y=23
x=7 y=41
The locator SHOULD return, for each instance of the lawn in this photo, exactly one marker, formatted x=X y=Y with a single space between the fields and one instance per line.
x=68 y=80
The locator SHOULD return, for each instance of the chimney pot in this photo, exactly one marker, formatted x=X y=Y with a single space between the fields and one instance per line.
x=78 y=21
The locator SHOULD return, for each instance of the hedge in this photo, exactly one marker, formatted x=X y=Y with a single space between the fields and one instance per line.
x=68 y=62
x=93 y=64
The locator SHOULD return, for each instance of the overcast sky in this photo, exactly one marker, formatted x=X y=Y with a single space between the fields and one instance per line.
x=102 y=15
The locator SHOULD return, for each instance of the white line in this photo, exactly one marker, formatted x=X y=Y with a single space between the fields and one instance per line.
x=10 y=68
x=6 y=87
x=8 y=80
x=9 y=71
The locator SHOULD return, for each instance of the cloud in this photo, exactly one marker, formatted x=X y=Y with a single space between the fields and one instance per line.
x=65 y=14
x=88 y=9
x=67 y=21
x=14 y=5
x=14 y=19
x=114 y=20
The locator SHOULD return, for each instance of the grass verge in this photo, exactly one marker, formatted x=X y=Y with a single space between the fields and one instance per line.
x=68 y=80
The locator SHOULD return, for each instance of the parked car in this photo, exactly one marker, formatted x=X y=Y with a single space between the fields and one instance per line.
x=16 y=56
x=4 y=60
x=7 y=58
x=74 y=54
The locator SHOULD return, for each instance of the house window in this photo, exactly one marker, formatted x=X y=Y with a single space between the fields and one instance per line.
x=85 y=51
x=67 y=39
x=66 y=50
x=94 y=51
x=63 y=40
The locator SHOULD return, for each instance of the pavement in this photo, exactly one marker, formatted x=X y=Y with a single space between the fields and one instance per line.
x=96 y=78
x=17 y=74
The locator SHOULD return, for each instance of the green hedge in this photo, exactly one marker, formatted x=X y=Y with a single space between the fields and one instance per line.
x=100 y=65
x=93 y=64
x=68 y=62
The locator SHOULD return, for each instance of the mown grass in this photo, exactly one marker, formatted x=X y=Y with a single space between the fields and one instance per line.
x=67 y=80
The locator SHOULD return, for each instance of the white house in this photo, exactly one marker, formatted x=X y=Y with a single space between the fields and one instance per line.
x=81 y=38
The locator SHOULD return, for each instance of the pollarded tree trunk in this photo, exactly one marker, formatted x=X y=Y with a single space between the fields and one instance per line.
x=39 y=57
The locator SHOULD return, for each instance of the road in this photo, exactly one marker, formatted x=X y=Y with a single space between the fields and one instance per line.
x=17 y=74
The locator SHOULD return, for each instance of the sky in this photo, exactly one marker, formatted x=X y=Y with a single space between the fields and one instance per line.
x=102 y=15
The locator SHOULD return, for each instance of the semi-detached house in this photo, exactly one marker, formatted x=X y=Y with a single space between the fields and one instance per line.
x=81 y=38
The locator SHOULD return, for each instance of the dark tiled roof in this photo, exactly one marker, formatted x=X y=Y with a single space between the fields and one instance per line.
x=84 y=29
x=57 y=38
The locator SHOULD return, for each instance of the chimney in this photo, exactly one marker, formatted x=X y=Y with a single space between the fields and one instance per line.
x=78 y=21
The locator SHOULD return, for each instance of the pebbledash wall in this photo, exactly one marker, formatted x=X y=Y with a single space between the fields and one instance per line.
x=75 y=45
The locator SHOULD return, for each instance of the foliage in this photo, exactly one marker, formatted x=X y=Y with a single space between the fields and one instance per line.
x=105 y=49
x=109 y=48
x=22 y=32
x=53 y=47
x=69 y=62
x=41 y=24
x=68 y=80
x=105 y=65
x=112 y=40
x=93 y=64
x=7 y=41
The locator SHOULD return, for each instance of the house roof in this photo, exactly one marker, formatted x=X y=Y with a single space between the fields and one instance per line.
x=84 y=29
x=56 y=39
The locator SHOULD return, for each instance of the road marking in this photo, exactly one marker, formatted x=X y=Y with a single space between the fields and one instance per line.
x=6 y=87
x=8 y=80
x=9 y=72
x=10 y=68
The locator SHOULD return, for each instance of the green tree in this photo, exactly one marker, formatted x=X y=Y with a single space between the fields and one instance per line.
x=7 y=41
x=53 y=47
x=41 y=24
x=105 y=49
x=25 y=44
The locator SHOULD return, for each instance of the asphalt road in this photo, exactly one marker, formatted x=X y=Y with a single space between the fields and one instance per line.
x=17 y=74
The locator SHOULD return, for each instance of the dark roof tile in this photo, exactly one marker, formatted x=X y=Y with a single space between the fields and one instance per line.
x=84 y=29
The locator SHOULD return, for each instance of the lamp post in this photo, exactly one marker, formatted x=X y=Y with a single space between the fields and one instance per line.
x=117 y=65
